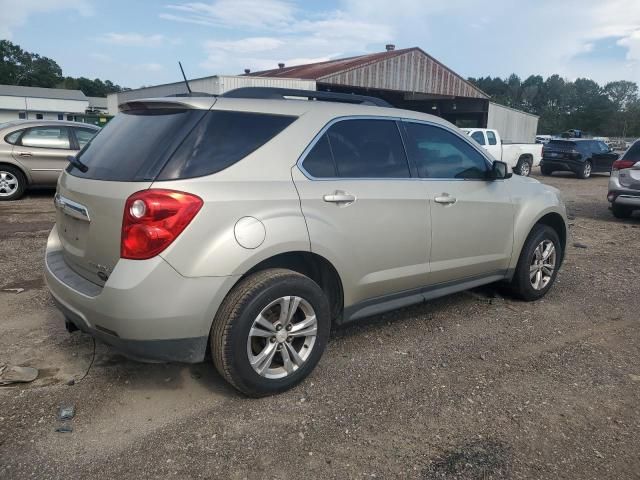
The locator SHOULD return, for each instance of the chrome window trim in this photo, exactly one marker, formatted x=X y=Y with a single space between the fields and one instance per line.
x=395 y=119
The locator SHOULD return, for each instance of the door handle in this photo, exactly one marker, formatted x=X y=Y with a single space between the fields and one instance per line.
x=339 y=197
x=25 y=154
x=445 y=199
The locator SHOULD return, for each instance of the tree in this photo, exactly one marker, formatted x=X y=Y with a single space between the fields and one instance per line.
x=621 y=93
x=18 y=67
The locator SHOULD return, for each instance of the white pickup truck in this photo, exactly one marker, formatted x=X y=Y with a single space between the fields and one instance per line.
x=522 y=157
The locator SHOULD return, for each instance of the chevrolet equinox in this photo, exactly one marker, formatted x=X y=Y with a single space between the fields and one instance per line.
x=247 y=224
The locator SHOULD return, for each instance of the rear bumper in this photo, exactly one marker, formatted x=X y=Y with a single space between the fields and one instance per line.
x=619 y=195
x=562 y=165
x=146 y=309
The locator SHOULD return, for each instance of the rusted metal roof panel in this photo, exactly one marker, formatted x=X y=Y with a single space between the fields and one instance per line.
x=408 y=70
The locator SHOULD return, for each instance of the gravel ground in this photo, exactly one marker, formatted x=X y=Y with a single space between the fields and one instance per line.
x=469 y=386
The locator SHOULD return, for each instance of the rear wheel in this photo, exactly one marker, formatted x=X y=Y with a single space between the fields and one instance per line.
x=546 y=170
x=270 y=332
x=538 y=264
x=586 y=170
x=523 y=167
x=620 y=211
x=12 y=183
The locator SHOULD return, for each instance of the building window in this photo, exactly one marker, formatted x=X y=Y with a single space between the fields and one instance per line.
x=39 y=116
x=22 y=115
x=70 y=118
x=60 y=116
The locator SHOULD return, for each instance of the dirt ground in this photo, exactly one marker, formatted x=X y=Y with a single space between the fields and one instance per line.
x=469 y=386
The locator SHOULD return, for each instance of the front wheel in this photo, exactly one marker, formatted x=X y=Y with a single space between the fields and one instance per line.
x=586 y=170
x=270 y=331
x=538 y=264
x=523 y=167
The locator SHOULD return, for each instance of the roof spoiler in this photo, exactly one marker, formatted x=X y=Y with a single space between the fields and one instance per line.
x=283 y=93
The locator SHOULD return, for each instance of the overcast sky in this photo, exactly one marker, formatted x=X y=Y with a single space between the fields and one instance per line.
x=138 y=42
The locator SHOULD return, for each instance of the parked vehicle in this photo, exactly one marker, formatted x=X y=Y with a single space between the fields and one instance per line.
x=544 y=139
x=624 y=183
x=251 y=225
x=583 y=157
x=35 y=152
x=521 y=157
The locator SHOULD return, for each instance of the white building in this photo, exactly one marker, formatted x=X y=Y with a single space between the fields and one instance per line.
x=35 y=103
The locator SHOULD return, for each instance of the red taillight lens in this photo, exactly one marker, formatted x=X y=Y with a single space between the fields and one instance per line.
x=620 y=164
x=153 y=219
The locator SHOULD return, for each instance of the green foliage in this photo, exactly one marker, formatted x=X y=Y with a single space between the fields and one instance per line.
x=612 y=110
x=18 y=67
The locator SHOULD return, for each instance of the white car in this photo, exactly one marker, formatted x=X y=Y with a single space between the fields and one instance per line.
x=521 y=157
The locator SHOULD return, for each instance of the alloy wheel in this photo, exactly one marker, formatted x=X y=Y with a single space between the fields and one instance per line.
x=282 y=337
x=543 y=264
x=8 y=184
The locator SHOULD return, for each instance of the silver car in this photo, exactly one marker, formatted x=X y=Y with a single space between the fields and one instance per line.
x=35 y=152
x=250 y=223
x=624 y=183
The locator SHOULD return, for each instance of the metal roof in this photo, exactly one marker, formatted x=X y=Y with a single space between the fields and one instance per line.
x=408 y=70
x=39 y=92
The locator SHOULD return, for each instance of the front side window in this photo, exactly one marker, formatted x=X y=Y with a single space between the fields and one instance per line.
x=478 y=137
x=491 y=138
x=359 y=148
x=439 y=153
x=46 y=137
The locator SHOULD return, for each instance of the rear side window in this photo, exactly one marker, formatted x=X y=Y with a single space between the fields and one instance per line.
x=136 y=144
x=359 y=149
x=12 y=138
x=84 y=135
x=439 y=153
x=221 y=139
x=491 y=137
x=478 y=137
x=560 y=145
x=46 y=137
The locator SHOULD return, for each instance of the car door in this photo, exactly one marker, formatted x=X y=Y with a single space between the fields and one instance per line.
x=603 y=157
x=471 y=217
x=364 y=211
x=43 y=150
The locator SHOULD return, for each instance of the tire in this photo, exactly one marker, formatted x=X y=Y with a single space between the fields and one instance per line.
x=523 y=167
x=13 y=183
x=522 y=284
x=260 y=296
x=546 y=170
x=586 y=171
x=620 y=211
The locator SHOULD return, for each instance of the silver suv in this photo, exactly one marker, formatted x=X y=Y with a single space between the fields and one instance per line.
x=624 y=183
x=249 y=224
x=34 y=152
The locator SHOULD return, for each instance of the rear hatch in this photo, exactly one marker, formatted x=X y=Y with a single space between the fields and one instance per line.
x=125 y=157
x=630 y=177
x=559 y=150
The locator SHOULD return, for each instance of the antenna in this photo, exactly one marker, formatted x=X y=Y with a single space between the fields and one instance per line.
x=185 y=77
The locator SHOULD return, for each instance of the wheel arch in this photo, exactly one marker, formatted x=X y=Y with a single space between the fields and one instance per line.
x=312 y=265
x=22 y=170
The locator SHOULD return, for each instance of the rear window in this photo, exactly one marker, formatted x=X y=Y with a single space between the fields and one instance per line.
x=221 y=139
x=633 y=152
x=136 y=144
x=560 y=144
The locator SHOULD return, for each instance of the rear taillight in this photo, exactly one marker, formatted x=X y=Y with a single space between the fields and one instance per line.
x=621 y=164
x=153 y=219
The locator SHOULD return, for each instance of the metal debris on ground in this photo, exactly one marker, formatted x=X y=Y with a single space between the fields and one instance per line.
x=15 y=374
x=13 y=290
x=580 y=245
x=66 y=413
x=64 y=428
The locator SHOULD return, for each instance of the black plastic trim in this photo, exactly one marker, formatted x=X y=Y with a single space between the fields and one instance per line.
x=282 y=93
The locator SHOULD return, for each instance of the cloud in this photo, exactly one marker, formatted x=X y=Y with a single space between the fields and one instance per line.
x=632 y=43
x=150 y=67
x=16 y=13
x=133 y=39
x=255 y=14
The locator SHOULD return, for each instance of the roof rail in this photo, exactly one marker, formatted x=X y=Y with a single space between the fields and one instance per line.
x=192 y=94
x=282 y=93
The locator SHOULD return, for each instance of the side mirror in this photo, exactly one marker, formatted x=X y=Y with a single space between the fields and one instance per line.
x=499 y=171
